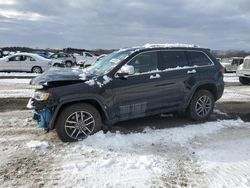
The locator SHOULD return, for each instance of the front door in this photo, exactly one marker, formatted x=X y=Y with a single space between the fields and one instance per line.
x=139 y=94
x=13 y=63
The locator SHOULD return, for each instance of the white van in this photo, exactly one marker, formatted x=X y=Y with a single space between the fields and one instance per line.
x=243 y=71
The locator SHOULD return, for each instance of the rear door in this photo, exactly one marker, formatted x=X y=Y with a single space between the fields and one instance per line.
x=139 y=94
x=178 y=78
x=204 y=66
x=27 y=63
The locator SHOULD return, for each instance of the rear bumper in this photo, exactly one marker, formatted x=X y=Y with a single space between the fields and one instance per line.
x=220 y=88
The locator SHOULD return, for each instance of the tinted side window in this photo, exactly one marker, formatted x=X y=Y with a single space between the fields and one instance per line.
x=30 y=58
x=88 y=55
x=145 y=62
x=61 y=55
x=17 y=58
x=54 y=56
x=198 y=59
x=172 y=59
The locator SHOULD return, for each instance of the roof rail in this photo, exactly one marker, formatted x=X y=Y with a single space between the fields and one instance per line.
x=170 y=45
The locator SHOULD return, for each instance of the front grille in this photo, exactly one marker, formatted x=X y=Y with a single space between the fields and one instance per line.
x=246 y=64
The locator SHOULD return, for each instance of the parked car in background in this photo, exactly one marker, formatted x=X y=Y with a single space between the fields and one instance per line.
x=24 y=62
x=101 y=57
x=85 y=59
x=44 y=54
x=127 y=84
x=243 y=71
x=1 y=53
x=231 y=64
x=61 y=57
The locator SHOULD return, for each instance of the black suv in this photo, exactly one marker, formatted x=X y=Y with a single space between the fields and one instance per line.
x=127 y=84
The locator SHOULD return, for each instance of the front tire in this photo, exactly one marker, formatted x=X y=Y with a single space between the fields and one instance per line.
x=201 y=105
x=56 y=65
x=37 y=70
x=78 y=121
x=244 y=81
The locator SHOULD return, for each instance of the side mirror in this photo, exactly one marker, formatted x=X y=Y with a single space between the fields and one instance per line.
x=126 y=70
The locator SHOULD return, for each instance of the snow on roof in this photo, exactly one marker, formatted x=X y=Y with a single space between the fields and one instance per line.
x=247 y=57
x=177 y=45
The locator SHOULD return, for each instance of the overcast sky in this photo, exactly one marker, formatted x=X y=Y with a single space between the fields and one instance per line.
x=92 y=24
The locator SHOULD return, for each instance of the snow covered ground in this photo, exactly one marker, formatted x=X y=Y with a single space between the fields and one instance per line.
x=15 y=88
x=213 y=154
x=17 y=75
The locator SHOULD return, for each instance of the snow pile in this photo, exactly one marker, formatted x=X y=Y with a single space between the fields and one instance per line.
x=38 y=144
x=111 y=170
x=118 y=160
x=177 y=135
x=226 y=163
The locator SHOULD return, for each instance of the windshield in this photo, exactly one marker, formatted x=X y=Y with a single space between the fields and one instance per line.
x=106 y=64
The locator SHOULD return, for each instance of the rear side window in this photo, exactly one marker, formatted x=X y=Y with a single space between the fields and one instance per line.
x=172 y=59
x=198 y=59
x=88 y=55
x=145 y=62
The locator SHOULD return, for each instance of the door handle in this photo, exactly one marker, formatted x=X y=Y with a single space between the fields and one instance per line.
x=154 y=77
x=191 y=71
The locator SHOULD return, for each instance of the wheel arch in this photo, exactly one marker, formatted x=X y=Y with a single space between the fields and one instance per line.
x=209 y=87
x=94 y=102
x=34 y=66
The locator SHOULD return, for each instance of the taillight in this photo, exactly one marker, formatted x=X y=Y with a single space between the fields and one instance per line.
x=222 y=70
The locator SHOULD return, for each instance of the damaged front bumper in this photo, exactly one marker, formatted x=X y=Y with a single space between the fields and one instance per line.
x=42 y=114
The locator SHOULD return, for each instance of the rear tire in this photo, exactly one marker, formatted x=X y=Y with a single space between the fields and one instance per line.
x=37 y=70
x=56 y=65
x=78 y=121
x=244 y=81
x=201 y=105
x=68 y=64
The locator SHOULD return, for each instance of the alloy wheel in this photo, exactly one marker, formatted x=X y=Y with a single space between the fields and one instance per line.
x=203 y=106
x=79 y=125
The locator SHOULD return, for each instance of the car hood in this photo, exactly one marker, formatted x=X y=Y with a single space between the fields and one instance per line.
x=54 y=75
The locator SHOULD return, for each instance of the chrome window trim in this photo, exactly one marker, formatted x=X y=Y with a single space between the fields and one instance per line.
x=155 y=72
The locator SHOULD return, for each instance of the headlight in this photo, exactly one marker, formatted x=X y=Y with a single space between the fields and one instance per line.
x=41 y=96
